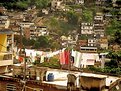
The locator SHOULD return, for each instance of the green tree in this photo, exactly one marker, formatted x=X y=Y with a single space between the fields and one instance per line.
x=87 y=15
x=115 y=59
x=42 y=3
x=36 y=45
x=43 y=42
x=22 y=4
x=53 y=24
x=117 y=37
x=72 y=17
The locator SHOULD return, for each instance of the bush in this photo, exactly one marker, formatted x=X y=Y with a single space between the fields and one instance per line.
x=52 y=63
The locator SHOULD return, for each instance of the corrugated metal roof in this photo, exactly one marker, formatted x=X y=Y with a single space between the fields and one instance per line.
x=6 y=31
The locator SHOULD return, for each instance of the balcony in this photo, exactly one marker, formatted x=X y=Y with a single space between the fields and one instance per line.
x=6 y=59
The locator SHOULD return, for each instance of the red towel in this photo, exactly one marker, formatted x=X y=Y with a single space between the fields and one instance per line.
x=64 y=57
x=20 y=59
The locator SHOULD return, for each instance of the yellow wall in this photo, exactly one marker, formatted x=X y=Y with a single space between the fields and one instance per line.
x=3 y=41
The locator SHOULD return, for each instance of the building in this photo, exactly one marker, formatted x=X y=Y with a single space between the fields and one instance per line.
x=56 y=4
x=33 y=32
x=99 y=27
x=97 y=82
x=84 y=81
x=41 y=31
x=26 y=28
x=92 y=42
x=6 y=49
x=4 y=22
x=87 y=28
x=83 y=42
x=88 y=49
x=79 y=1
x=103 y=43
x=3 y=10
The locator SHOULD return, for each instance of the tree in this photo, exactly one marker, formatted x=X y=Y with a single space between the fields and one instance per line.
x=43 y=42
x=87 y=15
x=72 y=17
x=42 y=3
x=22 y=5
x=115 y=58
x=117 y=37
x=53 y=24
x=36 y=45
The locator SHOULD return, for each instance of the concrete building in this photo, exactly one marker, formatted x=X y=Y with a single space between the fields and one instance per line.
x=56 y=4
x=87 y=28
x=99 y=28
x=4 y=22
x=41 y=31
x=6 y=49
x=103 y=43
x=88 y=49
x=84 y=81
x=92 y=42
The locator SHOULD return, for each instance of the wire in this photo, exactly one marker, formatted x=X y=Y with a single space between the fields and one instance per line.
x=3 y=45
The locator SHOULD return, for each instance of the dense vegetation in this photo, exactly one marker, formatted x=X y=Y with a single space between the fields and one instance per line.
x=24 y=4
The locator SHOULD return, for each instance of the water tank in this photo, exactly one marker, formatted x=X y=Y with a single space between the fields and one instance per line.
x=50 y=77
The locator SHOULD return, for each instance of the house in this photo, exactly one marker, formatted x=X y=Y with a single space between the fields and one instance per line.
x=3 y=10
x=87 y=28
x=16 y=17
x=4 y=22
x=103 y=43
x=6 y=49
x=116 y=4
x=89 y=59
x=33 y=32
x=56 y=4
x=83 y=42
x=26 y=24
x=41 y=31
x=100 y=2
x=115 y=47
x=92 y=42
x=25 y=27
x=15 y=28
x=98 y=82
x=99 y=27
x=79 y=1
x=84 y=60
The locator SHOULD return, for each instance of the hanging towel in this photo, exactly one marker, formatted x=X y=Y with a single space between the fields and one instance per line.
x=67 y=57
x=77 y=59
x=62 y=57
x=42 y=59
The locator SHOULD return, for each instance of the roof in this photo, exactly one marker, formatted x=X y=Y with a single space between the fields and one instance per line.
x=60 y=77
x=88 y=47
x=6 y=31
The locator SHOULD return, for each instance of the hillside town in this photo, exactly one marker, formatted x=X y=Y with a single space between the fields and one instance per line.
x=60 y=45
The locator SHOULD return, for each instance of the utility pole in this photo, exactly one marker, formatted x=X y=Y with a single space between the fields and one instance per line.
x=22 y=53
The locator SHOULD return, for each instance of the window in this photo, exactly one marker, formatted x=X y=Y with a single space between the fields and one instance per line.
x=10 y=87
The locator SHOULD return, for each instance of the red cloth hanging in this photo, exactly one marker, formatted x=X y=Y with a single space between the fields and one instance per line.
x=64 y=57
x=67 y=56
x=20 y=59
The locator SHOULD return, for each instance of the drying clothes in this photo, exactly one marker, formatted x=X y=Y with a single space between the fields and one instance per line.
x=77 y=59
x=64 y=57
